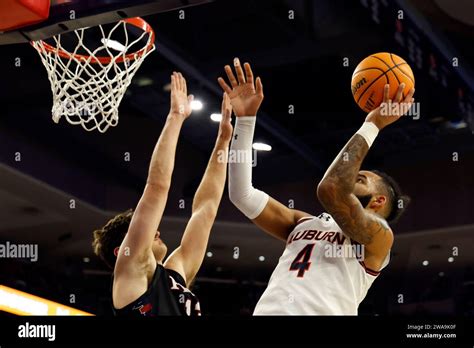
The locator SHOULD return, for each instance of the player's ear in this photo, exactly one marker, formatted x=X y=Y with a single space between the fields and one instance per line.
x=378 y=201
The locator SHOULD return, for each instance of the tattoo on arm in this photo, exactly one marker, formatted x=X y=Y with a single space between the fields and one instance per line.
x=336 y=194
x=356 y=222
x=351 y=216
x=347 y=164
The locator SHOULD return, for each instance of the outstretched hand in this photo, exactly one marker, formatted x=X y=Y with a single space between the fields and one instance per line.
x=390 y=111
x=180 y=100
x=245 y=95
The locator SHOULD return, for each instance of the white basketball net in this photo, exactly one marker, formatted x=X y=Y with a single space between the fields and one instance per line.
x=88 y=88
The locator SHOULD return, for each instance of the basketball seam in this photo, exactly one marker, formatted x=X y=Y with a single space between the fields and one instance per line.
x=391 y=69
x=375 y=80
x=404 y=73
x=388 y=66
x=365 y=69
x=385 y=73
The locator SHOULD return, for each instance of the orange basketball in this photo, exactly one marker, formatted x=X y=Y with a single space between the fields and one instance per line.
x=371 y=75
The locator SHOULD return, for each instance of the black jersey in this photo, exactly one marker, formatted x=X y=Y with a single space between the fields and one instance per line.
x=166 y=295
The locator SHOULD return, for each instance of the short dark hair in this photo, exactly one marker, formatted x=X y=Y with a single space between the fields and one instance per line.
x=397 y=200
x=106 y=239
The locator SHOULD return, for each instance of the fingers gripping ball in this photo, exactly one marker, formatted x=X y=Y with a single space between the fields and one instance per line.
x=371 y=75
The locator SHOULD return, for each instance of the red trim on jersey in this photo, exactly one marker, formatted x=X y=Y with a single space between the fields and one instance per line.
x=368 y=270
x=303 y=219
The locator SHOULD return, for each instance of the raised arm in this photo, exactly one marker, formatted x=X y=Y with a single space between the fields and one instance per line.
x=335 y=191
x=188 y=257
x=267 y=213
x=136 y=248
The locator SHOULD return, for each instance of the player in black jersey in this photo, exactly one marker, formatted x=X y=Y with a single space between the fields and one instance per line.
x=144 y=283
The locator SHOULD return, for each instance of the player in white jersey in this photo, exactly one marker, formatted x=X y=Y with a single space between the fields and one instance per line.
x=330 y=261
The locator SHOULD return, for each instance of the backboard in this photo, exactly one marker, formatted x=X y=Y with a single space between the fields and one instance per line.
x=67 y=15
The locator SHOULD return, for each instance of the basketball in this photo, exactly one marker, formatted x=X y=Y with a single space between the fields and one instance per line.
x=371 y=75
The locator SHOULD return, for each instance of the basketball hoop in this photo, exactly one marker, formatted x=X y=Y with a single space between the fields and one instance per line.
x=88 y=84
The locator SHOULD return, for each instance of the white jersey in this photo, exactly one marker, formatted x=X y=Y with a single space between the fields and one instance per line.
x=321 y=272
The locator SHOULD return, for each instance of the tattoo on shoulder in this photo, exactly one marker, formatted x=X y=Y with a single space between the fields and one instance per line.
x=375 y=225
x=363 y=233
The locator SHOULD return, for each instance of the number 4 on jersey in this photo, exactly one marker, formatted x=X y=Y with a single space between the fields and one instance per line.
x=301 y=262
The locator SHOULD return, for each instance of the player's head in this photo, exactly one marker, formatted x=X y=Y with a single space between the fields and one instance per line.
x=107 y=240
x=380 y=193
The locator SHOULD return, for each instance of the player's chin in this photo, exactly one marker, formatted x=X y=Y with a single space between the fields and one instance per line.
x=158 y=243
x=159 y=250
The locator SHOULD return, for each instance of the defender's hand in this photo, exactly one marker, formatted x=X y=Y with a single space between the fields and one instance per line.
x=225 y=127
x=180 y=101
x=390 y=111
x=245 y=96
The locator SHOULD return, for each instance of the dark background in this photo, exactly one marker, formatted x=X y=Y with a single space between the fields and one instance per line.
x=300 y=61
